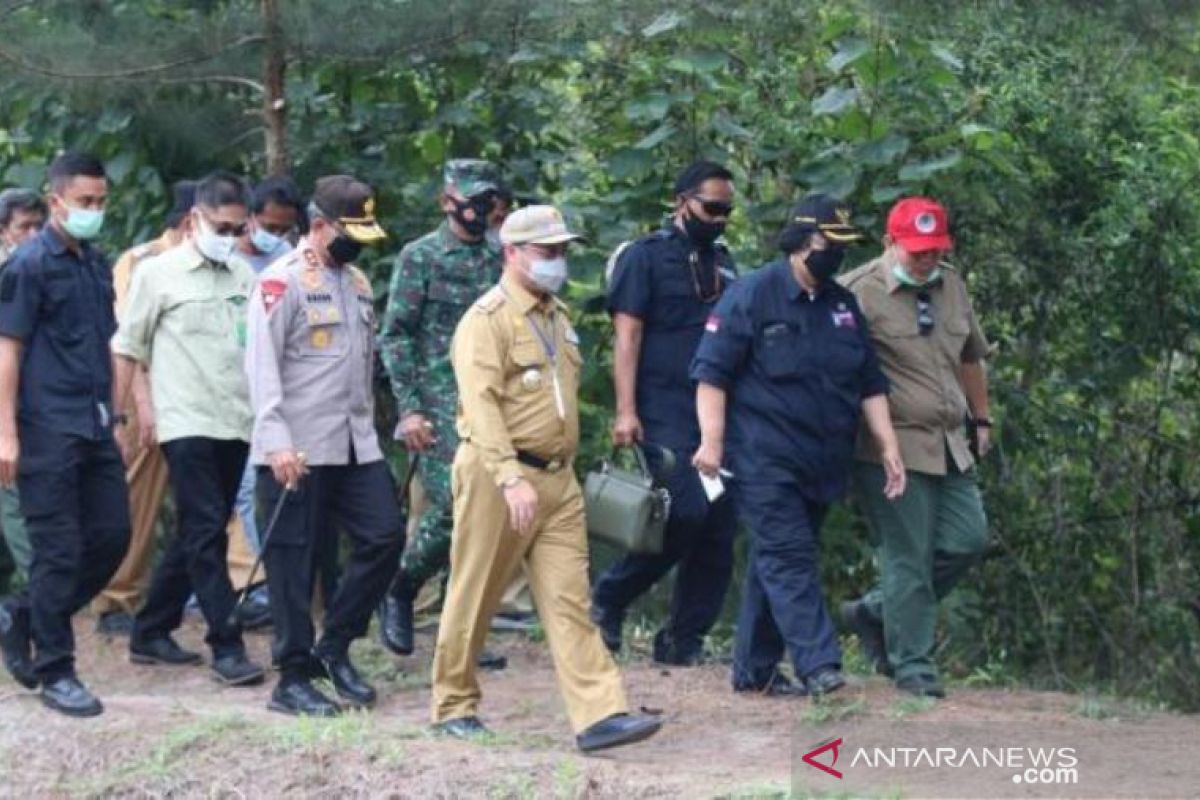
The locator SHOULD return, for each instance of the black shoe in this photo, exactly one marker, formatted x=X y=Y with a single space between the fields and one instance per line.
x=609 y=622
x=301 y=699
x=254 y=614
x=670 y=653
x=349 y=685
x=396 y=623
x=869 y=631
x=14 y=644
x=777 y=686
x=491 y=661
x=69 y=696
x=115 y=623
x=461 y=728
x=825 y=680
x=162 y=650
x=617 y=730
x=922 y=685
x=237 y=670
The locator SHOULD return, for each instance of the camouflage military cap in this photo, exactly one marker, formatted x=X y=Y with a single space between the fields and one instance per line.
x=471 y=176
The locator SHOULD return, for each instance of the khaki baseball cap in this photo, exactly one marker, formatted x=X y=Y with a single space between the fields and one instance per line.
x=536 y=225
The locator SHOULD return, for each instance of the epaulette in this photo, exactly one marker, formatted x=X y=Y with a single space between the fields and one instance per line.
x=143 y=251
x=492 y=300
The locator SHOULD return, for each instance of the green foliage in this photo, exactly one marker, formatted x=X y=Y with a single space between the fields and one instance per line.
x=1062 y=136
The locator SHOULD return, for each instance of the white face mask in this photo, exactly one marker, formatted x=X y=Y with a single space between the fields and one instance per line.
x=548 y=274
x=212 y=246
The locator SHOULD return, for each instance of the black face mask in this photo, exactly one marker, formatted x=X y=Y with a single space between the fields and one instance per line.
x=823 y=264
x=344 y=250
x=700 y=232
x=482 y=206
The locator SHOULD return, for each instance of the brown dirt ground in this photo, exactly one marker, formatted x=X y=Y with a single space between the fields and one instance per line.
x=173 y=732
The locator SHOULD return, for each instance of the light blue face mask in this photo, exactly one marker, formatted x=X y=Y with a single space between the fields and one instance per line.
x=549 y=274
x=908 y=280
x=264 y=241
x=83 y=223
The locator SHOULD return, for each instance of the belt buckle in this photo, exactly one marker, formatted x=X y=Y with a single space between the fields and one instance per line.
x=555 y=464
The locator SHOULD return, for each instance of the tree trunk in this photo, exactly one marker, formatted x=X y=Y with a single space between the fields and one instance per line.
x=274 y=103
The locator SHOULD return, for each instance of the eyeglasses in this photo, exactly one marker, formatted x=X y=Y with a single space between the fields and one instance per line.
x=694 y=266
x=224 y=228
x=714 y=208
x=924 y=314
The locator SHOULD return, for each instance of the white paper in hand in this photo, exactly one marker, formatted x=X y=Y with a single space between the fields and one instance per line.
x=714 y=487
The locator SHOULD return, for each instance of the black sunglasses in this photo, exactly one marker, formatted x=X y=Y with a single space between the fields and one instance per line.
x=225 y=228
x=714 y=208
x=924 y=314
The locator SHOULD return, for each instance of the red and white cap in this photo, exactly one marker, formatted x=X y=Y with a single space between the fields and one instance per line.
x=919 y=225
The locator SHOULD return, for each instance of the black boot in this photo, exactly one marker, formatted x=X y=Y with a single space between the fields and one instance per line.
x=396 y=618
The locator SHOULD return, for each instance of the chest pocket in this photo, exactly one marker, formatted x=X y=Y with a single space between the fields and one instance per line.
x=323 y=331
x=61 y=306
x=782 y=350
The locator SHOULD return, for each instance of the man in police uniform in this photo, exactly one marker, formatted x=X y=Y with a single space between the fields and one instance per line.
x=435 y=280
x=185 y=323
x=662 y=291
x=56 y=441
x=785 y=361
x=516 y=500
x=309 y=359
x=932 y=350
x=146 y=468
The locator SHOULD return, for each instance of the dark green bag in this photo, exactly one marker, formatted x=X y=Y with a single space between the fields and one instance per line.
x=629 y=508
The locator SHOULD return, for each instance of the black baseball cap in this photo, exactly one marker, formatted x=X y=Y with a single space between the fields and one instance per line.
x=822 y=213
x=351 y=204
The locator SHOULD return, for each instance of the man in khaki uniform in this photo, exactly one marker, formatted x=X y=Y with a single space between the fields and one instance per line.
x=932 y=349
x=516 y=500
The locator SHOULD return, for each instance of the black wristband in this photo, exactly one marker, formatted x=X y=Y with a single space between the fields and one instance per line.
x=120 y=419
x=983 y=422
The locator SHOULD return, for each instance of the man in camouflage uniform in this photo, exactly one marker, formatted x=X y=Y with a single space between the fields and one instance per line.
x=435 y=280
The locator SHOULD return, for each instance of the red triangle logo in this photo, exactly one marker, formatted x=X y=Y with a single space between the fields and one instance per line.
x=810 y=758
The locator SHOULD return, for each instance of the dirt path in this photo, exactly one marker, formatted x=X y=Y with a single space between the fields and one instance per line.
x=174 y=732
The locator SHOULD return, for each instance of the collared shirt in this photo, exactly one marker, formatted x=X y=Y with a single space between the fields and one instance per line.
x=927 y=402
x=60 y=305
x=507 y=350
x=309 y=358
x=434 y=281
x=663 y=280
x=129 y=260
x=185 y=319
x=796 y=368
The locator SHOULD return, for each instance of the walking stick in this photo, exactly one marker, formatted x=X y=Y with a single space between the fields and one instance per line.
x=262 y=550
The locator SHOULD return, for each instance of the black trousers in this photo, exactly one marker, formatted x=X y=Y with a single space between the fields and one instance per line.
x=358 y=499
x=699 y=539
x=204 y=475
x=76 y=507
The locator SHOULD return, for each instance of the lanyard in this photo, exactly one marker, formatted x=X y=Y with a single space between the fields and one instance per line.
x=551 y=349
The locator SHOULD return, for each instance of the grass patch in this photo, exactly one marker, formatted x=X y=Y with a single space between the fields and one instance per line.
x=906 y=707
x=1101 y=707
x=832 y=709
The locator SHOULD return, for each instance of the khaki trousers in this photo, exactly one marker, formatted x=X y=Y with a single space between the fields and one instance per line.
x=147 y=479
x=485 y=554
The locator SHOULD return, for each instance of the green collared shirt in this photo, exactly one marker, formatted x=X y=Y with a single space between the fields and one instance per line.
x=185 y=319
x=927 y=402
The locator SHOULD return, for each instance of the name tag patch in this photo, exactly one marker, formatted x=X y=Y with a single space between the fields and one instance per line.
x=844 y=318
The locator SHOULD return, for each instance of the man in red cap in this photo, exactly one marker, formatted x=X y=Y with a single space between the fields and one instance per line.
x=932 y=349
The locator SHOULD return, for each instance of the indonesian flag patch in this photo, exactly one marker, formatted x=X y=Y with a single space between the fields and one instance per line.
x=272 y=292
x=712 y=324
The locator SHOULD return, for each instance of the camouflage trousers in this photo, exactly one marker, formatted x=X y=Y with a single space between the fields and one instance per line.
x=428 y=551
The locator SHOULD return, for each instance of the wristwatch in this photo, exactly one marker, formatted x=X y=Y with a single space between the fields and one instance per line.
x=982 y=422
x=120 y=419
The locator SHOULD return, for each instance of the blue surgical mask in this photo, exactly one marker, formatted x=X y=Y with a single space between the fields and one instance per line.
x=548 y=274
x=83 y=223
x=264 y=241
